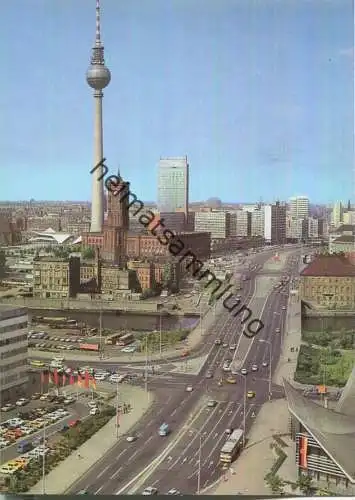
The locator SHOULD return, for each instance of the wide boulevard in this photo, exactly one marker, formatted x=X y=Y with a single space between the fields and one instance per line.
x=198 y=431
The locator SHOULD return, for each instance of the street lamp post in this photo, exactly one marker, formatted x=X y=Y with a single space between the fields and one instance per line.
x=270 y=364
x=201 y=330
x=244 y=407
x=160 y=336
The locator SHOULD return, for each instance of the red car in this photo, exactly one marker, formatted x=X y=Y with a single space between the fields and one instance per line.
x=74 y=423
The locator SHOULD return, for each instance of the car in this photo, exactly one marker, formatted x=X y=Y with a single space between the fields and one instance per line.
x=36 y=396
x=92 y=404
x=284 y=308
x=212 y=403
x=250 y=394
x=130 y=439
x=189 y=388
x=173 y=491
x=69 y=401
x=94 y=411
x=228 y=431
x=232 y=347
x=244 y=371
x=225 y=344
x=22 y=402
x=150 y=491
x=226 y=367
x=218 y=342
x=209 y=374
x=231 y=380
x=254 y=368
x=74 y=423
x=264 y=364
x=277 y=330
x=8 y=407
x=44 y=397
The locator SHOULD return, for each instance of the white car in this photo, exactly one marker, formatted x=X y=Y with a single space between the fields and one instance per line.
x=92 y=404
x=264 y=364
x=150 y=491
x=244 y=371
x=94 y=411
x=173 y=491
x=277 y=330
x=284 y=308
x=232 y=347
x=254 y=368
x=189 y=388
x=22 y=402
x=130 y=439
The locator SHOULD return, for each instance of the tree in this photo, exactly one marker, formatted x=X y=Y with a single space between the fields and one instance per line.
x=304 y=483
x=88 y=253
x=275 y=483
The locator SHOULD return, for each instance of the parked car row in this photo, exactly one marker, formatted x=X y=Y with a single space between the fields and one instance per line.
x=21 y=462
x=16 y=428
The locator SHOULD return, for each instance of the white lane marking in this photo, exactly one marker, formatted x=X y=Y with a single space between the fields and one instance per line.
x=97 y=491
x=214 y=427
x=120 y=454
x=196 y=436
x=173 y=413
x=132 y=456
x=116 y=473
x=104 y=470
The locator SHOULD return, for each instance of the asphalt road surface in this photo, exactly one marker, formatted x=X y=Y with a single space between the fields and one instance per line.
x=118 y=470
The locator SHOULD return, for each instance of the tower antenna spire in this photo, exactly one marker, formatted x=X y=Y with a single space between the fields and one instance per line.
x=98 y=28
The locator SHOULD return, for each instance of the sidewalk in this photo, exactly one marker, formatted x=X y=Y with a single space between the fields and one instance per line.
x=246 y=477
x=60 y=479
x=292 y=338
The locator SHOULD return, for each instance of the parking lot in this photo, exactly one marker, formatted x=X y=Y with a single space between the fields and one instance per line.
x=25 y=424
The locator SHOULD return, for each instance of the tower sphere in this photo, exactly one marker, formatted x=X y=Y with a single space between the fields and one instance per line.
x=98 y=76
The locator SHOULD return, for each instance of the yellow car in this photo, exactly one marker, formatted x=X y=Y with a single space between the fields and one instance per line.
x=251 y=394
x=20 y=461
x=9 y=468
x=231 y=380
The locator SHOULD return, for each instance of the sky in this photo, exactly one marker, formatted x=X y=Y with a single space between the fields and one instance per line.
x=257 y=93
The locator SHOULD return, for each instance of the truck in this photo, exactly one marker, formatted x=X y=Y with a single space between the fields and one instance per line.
x=232 y=447
x=164 y=430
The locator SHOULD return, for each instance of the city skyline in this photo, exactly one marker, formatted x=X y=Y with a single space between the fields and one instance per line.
x=309 y=74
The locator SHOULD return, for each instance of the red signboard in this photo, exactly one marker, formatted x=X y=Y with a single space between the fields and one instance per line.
x=89 y=347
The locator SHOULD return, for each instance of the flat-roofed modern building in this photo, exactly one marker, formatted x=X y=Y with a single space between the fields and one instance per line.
x=13 y=352
x=325 y=439
x=173 y=185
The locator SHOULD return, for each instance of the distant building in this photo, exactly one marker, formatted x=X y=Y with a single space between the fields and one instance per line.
x=173 y=185
x=218 y=223
x=241 y=223
x=257 y=222
x=13 y=353
x=337 y=214
x=55 y=277
x=328 y=282
x=275 y=223
x=299 y=207
x=342 y=239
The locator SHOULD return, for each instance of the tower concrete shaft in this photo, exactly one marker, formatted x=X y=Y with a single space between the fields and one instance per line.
x=98 y=76
x=97 y=197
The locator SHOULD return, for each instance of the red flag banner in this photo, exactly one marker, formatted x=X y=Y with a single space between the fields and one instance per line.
x=87 y=380
x=64 y=378
x=55 y=376
x=71 y=379
x=80 y=380
x=303 y=448
x=93 y=383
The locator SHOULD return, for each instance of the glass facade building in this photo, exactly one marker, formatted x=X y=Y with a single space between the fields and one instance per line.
x=173 y=185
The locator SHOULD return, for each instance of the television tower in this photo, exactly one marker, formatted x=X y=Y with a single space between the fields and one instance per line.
x=98 y=76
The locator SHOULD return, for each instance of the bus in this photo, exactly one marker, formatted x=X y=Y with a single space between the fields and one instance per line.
x=163 y=430
x=232 y=447
x=113 y=339
x=125 y=340
x=37 y=364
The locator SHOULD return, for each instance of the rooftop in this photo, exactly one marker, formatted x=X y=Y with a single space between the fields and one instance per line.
x=346 y=238
x=329 y=265
x=7 y=311
x=344 y=228
x=333 y=430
